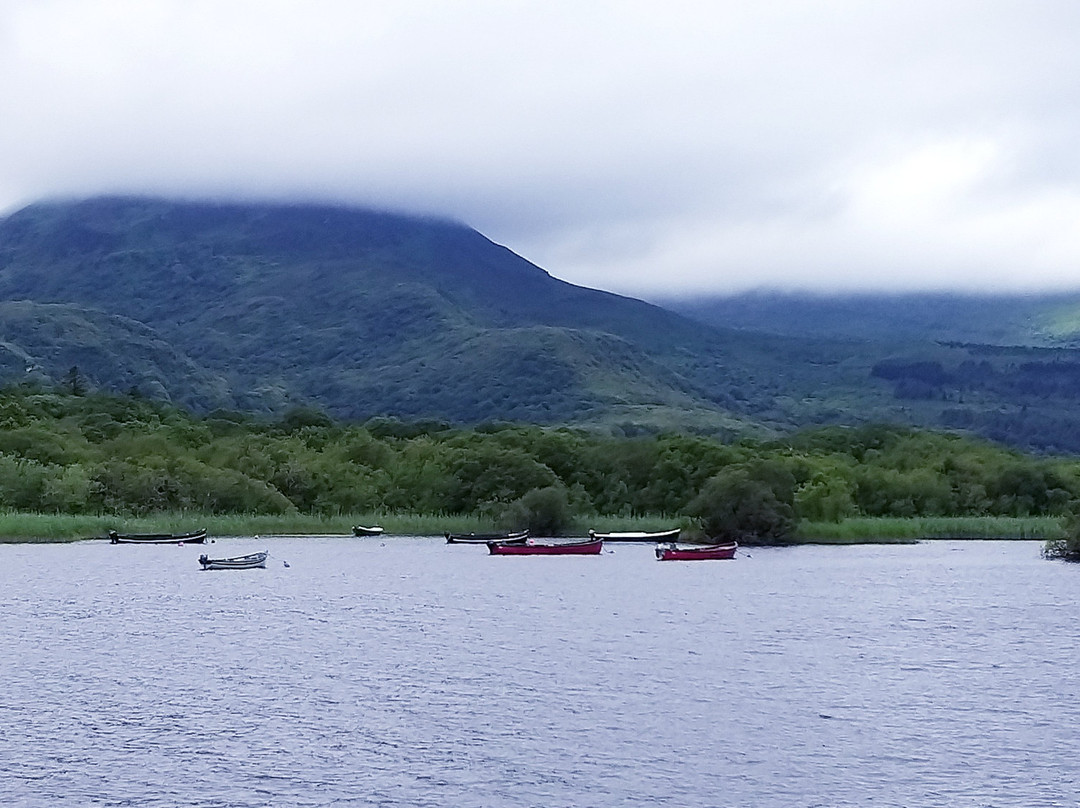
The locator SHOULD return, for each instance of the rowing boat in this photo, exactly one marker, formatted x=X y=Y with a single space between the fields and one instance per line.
x=587 y=547
x=672 y=552
x=512 y=537
x=244 y=562
x=638 y=535
x=195 y=537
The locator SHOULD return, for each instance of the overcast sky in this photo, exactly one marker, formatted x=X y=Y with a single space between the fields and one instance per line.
x=646 y=148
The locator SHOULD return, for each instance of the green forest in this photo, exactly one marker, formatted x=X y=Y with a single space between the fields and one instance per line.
x=65 y=452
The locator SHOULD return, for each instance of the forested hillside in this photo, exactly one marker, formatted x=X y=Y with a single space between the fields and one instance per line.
x=104 y=454
x=1003 y=366
x=263 y=308
x=360 y=312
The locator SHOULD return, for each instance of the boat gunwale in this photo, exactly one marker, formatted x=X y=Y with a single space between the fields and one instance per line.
x=249 y=561
x=509 y=537
x=725 y=551
x=192 y=537
x=546 y=548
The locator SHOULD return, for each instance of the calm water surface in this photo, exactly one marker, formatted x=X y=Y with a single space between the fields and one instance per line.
x=406 y=672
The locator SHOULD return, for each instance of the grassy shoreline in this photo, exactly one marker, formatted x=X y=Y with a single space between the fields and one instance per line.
x=21 y=527
x=900 y=530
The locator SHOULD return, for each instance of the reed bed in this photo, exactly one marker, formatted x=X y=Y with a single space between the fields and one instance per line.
x=50 y=527
x=42 y=527
x=893 y=530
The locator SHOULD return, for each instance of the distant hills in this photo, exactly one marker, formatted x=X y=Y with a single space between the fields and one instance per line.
x=1016 y=319
x=360 y=313
x=1006 y=367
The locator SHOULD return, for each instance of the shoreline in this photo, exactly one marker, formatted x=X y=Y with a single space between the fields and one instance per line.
x=37 y=528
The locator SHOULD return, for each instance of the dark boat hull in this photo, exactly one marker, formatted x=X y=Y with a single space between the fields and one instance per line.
x=591 y=547
x=704 y=553
x=360 y=530
x=514 y=537
x=196 y=537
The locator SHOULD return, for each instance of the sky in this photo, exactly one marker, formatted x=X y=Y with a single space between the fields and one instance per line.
x=649 y=148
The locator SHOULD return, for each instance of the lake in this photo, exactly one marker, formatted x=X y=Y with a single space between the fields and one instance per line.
x=407 y=672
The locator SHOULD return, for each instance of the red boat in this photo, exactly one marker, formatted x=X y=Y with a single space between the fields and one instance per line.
x=671 y=552
x=587 y=547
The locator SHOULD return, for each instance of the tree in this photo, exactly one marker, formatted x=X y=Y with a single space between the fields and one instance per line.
x=490 y=474
x=544 y=511
x=300 y=417
x=826 y=497
x=71 y=489
x=736 y=506
x=74 y=381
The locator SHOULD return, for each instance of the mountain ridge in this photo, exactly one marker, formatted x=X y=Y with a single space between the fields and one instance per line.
x=341 y=306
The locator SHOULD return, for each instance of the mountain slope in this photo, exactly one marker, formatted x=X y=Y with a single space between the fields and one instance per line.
x=1006 y=367
x=365 y=313
x=44 y=341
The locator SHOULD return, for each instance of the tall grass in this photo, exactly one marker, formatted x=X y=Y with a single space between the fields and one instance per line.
x=883 y=530
x=51 y=527
x=42 y=527
x=48 y=527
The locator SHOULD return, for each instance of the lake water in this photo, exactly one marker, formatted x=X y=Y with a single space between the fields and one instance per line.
x=408 y=672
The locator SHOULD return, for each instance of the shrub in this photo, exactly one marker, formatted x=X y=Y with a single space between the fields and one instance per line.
x=544 y=511
x=735 y=506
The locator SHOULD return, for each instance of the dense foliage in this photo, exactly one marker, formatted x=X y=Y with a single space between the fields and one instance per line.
x=101 y=454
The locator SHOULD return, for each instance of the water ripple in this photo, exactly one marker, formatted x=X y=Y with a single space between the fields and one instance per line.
x=412 y=673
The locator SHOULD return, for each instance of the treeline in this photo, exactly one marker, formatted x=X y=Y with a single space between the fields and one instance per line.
x=1016 y=380
x=103 y=454
x=1023 y=397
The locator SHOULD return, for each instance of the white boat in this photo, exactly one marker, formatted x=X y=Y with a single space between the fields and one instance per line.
x=642 y=536
x=361 y=530
x=244 y=562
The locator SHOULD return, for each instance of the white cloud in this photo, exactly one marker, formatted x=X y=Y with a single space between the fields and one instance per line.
x=634 y=146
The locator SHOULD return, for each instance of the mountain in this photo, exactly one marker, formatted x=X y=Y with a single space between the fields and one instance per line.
x=362 y=313
x=263 y=307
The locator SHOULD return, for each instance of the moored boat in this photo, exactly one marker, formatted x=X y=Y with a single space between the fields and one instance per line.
x=672 y=552
x=511 y=537
x=524 y=547
x=244 y=562
x=360 y=530
x=195 y=537
x=638 y=535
